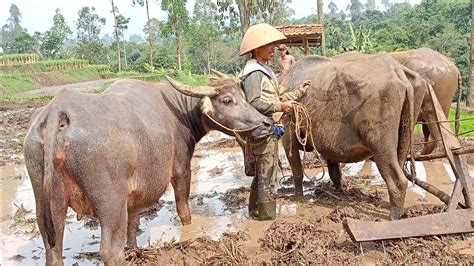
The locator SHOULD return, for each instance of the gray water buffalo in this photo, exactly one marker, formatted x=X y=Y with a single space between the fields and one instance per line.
x=112 y=155
x=359 y=109
x=440 y=72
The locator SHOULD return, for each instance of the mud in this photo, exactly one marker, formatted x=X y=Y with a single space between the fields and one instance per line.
x=307 y=230
x=13 y=126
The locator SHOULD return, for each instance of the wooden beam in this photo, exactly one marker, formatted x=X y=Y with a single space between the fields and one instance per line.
x=458 y=165
x=438 y=155
x=455 y=222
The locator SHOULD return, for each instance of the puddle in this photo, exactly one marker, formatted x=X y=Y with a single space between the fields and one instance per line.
x=214 y=172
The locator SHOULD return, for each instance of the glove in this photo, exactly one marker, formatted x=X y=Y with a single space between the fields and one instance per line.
x=278 y=130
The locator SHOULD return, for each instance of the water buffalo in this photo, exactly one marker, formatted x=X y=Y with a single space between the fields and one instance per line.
x=112 y=155
x=358 y=108
x=440 y=72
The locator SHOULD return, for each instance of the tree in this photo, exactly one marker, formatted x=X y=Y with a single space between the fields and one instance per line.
x=152 y=30
x=355 y=8
x=116 y=34
x=24 y=43
x=387 y=4
x=53 y=39
x=321 y=21
x=88 y=44
x=370 y=5
x=274 y=12
x=145 y=3
x=135 y=38
x=122 y=25
x=11 y=30
x=176 y=24
x=470 y=99
x=203 y=34
x=332 y=8
x=270 y=11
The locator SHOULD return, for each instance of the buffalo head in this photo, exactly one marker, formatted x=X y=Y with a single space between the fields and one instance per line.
x=224 y=104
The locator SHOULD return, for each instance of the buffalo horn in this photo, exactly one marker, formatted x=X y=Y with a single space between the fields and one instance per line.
x=193 y=91
x=219 y=74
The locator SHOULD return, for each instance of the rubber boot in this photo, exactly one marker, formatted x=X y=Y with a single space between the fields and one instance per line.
x=267 y=210
x=253 y=205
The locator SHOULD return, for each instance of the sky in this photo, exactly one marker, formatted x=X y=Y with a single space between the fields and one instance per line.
x=38 y=14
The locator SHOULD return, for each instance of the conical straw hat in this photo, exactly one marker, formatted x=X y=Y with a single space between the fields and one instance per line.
x=259 y=35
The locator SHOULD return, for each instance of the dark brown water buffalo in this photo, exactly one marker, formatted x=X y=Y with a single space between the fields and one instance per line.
x=358 y=108
x=112 y=155
x=440 y=72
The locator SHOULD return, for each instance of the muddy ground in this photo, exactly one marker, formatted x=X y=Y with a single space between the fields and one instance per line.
x=306 y=230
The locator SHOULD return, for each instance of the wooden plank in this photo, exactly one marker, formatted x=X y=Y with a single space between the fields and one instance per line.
x=466 y=180
x=455 y=222
x=459 y=166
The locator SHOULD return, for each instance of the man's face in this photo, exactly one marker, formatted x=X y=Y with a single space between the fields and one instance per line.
x=265 y=52
x=282 y=51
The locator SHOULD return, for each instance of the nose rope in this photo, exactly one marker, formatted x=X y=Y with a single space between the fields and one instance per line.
x=237 y=132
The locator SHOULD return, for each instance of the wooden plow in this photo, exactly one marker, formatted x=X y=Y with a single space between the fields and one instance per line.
x=458 y=216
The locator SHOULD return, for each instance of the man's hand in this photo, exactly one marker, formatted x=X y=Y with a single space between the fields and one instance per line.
x=286 y=107
x=305 y=85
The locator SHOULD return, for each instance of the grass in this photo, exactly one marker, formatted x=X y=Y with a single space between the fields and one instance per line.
x=103 y=87
x=25 y=100
x=465 y=125
x=27 y=77
x=192 y=79
x=12 y=84
x=83 y=74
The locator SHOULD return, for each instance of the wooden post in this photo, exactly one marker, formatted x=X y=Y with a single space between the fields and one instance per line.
x=306 y=45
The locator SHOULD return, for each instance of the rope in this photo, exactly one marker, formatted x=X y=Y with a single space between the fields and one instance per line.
x=303 y=122
x=444 y=121
x=237 y=132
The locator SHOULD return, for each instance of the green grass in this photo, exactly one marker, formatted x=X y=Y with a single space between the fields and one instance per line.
x=12 y=84
x=465 y=125
x=28 y=77
x=192 y=79
x=25 y=100
x=103 y=87
x=83 y=74
x=181 y=76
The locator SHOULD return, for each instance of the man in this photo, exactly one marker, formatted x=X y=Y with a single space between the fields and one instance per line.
x=286 y=59
x=261 y=90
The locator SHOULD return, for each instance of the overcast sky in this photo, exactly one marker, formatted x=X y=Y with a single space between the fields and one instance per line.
x=38 y=14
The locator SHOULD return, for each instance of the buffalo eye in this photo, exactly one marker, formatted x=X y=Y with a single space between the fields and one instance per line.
x=227 y=100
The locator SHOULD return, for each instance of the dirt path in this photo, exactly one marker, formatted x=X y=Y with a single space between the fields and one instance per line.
x=81 y=86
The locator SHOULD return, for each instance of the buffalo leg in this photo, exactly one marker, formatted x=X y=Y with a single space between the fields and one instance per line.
x=132 y=228
x=293 y=155
x=335 y=173
x=113 y=223
x=181 y=187
x=396 y=183
x=430 y=131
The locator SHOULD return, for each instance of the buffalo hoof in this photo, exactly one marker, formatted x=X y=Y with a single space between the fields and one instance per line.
x=396 y=213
